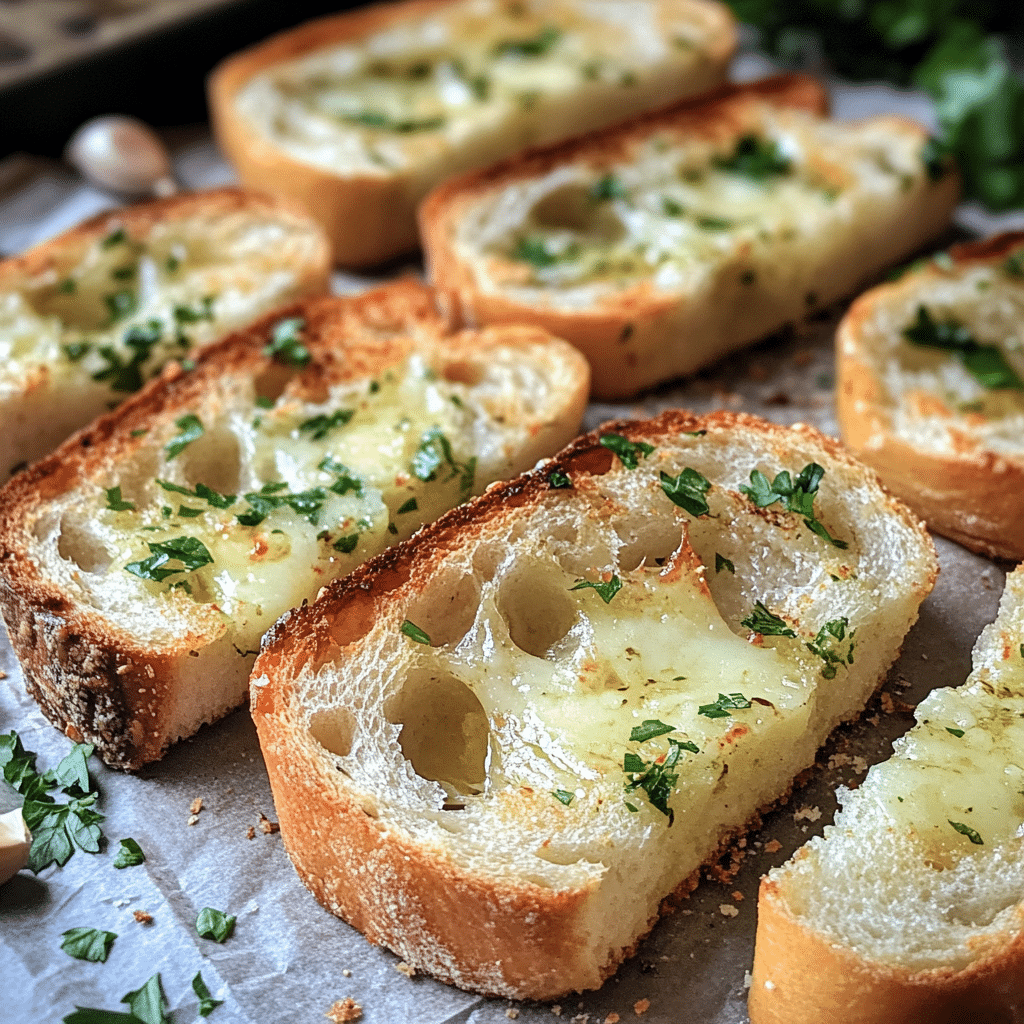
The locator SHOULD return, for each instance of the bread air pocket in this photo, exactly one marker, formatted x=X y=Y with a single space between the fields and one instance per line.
x=501 y=745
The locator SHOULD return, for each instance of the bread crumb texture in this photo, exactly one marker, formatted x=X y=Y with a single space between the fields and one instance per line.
x=344 y=1010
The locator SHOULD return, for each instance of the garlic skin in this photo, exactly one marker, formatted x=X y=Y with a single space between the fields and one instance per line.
x=122 y=154
x=15 y=842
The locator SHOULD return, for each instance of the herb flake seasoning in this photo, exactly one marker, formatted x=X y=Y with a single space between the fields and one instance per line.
x=655 y=777
x=687 y=490
x=724 y=706
x=629 y=452
x=413 y=632
x=606 y=591
x=286 y=343
x=762 y=621
x=966 y=830
x=794 y=495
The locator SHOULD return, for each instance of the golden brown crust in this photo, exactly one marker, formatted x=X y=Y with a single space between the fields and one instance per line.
x=973 y=496
x=799 y=976
x=370 y=218
x=462 y=925
x=92 y=676
x=626 y=334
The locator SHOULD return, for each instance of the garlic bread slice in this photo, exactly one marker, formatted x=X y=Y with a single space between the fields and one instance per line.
x=497 y=748
x=141 y=563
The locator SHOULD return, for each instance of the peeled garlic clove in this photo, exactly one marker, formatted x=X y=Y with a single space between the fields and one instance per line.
x=122 y=154
x=15 y=842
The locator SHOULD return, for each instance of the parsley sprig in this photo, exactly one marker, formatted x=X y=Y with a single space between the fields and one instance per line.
x=755 y=158
x=190 y=552
x=435 y=452
x=829 y=646
x=57 y=828
x=655 y=776
x=794 y=495
x=767 y=623
x=629 y=452
x=687 y=490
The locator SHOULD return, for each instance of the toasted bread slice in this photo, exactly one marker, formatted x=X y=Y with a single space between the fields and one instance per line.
x=498 y=747
x=359 y=115
x=931 y=391
x=87 y=317
x=142 y=561
x=910 y=909
x=660 y=245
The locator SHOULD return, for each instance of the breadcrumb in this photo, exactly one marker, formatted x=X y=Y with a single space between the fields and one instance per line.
x=641 y=1006
x=512 y=1013
x=772 y=846
x=142 y=916
x=403 y=968
x=197 y=805
x=728 y=910
x=612 y=1018
x=250 y=832
x=267 y=826
x=344 y=1010
x=807 y=814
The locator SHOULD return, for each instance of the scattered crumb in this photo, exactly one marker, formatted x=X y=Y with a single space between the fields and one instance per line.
x=267 y=826
x=346 y=973
x=641 y=1006
x=142 y=916
x=581 y=1018
x=747 y=979
x=343 y=1010
x=772 y=846
x=556 y=1010
x=3 y=675
x=737 y=896
x=727 y=910
x=612 y=1018
x=193 y=819
x=197 y=805
x=250 y=832
x=807 y=814
x=512 y=1013
x=403 y=968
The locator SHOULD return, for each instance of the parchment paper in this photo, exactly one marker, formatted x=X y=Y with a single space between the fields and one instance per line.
x=288 y=959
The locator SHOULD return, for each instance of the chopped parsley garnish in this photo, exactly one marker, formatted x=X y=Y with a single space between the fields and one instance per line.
x=410 y=506
x=318 y=427
x=306 y=503
x=120 y=304
x=563 y=796
x=435 y=451
x=966 y=830
x=207 y=1004
x=607 y=188
x=116 y=503
x=726 y=704
x=76 y=350
x=125 y=273
x=558 y=480
x=147 y=1005
x=1013 y=265
x=648 y=730
x=413 y=632
x=687 y=490
x=190 y=552
x=191 y=428
x=535 y=46
x=605 y=591
x=825 y=646
x=193 y=315
x=937 y=158
x=67 y=287
x=755 y=158
x=116 y=237
x=90 y=944
x=129 y=854
x=795 y=496
x=384 y=122
x=721 y=562
x=127 y=376
x=57 y=828
x=286 y=344
x=202 y=492
x=534 y=250
x=214 y=924
x=958 y=733
x=985 y=363
x=671 y=208
x=347 y=544
x=762 y=621
x=655 y=777
x=714 y=223
x=629 y=452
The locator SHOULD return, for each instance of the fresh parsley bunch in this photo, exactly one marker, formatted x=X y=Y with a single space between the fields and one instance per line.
x=57 y=828
x=956 y=50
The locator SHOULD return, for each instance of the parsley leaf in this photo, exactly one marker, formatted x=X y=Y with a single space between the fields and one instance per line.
x=410 y=506
x=413 y=632
x=605 y=591
x=958 y=733
x=563 y=796
x=193 y=315
x=607 y=188
x=191 y=552
x=148 y=1004
x=286 y=344
x=534 y=250
x=116 y=503
x=191 y=428
x=966 y=830
x=558 y=480
x=721 y=562
x=826 y=646
x=385 y=122
x=724 y=706
x=435 y=451
x=648 y=730
x=985 y=363
x=214 y=924
x=656 y=777
x=755 y=158
x=318 y=427
x=347 y=544
x=88 y=944
x=129 y=854
x=120 y=304
x=534 y=46
x=207 y=1004
x=687 y=490
x=629 y=452
x=762 y=621
x=794 y=495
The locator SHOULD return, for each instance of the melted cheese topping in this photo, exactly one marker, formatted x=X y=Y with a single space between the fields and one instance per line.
x=271 y=503
x=680 y=212
x=933 y=399
x=126 y=305
x=481 y=67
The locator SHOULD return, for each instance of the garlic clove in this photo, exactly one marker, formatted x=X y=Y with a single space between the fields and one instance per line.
x=122 y=154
